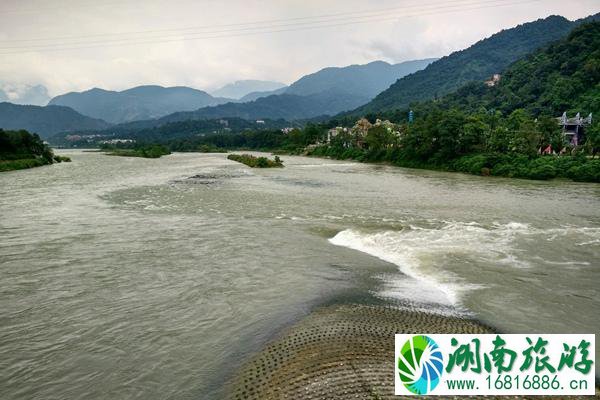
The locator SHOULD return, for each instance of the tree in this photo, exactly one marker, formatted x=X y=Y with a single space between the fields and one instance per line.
x=525 y=135
x=378 y=137
x=473 y=135
x=550 y=133
x=592 y=143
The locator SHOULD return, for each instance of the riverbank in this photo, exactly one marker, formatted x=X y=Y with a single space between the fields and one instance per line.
x=576 y=168
x=343 y=352
x=23 y=150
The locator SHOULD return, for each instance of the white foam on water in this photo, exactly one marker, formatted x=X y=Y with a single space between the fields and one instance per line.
x=419 y=253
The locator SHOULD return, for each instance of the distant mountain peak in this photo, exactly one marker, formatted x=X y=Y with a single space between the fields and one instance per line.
x=238 y=89
x=137 y=103
x=45 y=121
x=325 y=92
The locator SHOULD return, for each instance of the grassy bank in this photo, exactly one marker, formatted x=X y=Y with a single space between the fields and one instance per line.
x=256 y=162
x=24 y=163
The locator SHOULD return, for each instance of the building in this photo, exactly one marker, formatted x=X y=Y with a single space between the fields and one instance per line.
x=574 y=128
x=494 y=81
x=333 y=132
x=117 y=141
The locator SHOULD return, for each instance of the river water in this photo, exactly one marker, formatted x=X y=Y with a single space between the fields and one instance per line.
x=153 y=279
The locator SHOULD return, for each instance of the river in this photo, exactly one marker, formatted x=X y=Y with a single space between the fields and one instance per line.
x=157 y=278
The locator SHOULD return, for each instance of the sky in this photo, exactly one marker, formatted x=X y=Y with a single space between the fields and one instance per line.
x=74 y=45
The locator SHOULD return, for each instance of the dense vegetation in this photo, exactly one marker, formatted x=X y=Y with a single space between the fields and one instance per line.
x=256 y=162
x=499 y=130
x=145 y=151
x=482 y=144
x=293 y=141
x=21 y=149
x=477 y=63
x=143 y=132
x=287 y=106
x=563 y=77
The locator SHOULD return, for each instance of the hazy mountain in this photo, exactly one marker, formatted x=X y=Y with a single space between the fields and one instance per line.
x=326 y=92
x=239 y=89
x=24 y=94
x=476 y=63
x=257 y=95
x=287 y=106
x=142 y=102
x=366 y=80
x=45 y=121
x=361 y=81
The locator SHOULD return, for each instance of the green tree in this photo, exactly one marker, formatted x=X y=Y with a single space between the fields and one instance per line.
x=592 y=143
x=550 y=133
x=525 y=135
x=378 y=137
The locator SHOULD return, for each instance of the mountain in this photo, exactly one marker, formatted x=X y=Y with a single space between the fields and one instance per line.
x=284 y=106
x=257 y=95
x=364 y=81
x=564 y=76
x=45 y=121
x=24 y=94
x=476 y=63
x=239 y=89
x=142 y=102
x=361 y=81
x=326 y=92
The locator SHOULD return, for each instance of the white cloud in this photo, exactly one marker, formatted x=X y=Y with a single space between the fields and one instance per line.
x=209 y=63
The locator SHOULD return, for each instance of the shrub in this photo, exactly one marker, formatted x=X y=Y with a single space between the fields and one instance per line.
x=256 y=162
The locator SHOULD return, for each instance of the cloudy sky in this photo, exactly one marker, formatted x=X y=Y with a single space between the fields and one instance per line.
x=70 y=45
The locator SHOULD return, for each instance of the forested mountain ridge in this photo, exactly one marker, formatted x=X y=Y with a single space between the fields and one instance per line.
x=476 y=63
x=46 y=121
x=507 y=129
x=365 y=80
x=287 y=106
x=326 y=92
x=141 y=102
x=564 y=76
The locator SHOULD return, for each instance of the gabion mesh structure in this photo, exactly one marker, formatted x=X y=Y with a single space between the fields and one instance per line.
x=341 y=352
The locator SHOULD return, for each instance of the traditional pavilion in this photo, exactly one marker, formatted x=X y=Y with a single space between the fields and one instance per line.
x=574 y=128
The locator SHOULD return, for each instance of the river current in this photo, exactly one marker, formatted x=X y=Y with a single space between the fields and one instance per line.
x=157 y=278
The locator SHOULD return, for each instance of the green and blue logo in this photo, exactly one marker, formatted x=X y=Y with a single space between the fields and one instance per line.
x=420 y=364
